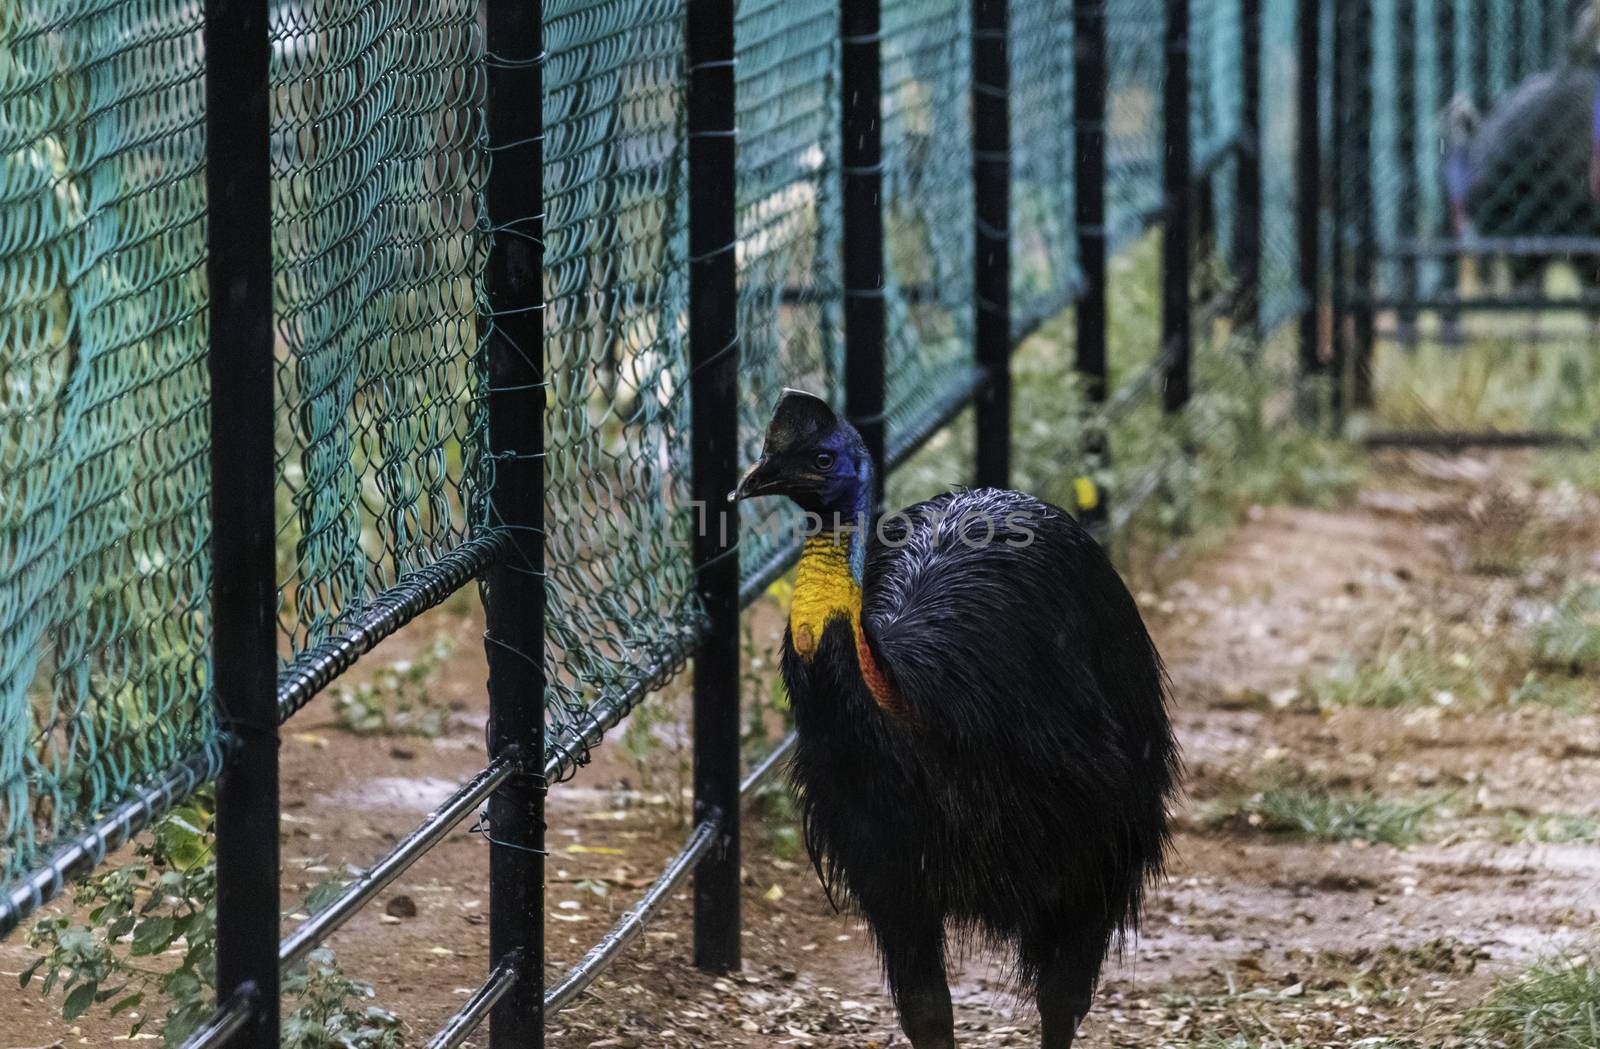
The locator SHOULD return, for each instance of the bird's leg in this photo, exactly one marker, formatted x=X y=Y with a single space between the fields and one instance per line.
x=913 y=961
x=1068 y=973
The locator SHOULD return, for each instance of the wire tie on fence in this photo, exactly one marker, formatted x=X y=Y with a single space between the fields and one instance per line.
x=494 y=61
x=485 y=828
x=520 y=387
x=864 y=293
x=713 y=253
x=992 y=156
x=715 y=133
x=983 y=87
x=511 y=229
x=715 y=357
x=990 y=34
x=869 y=420
x=990 y=231
x=530 y=140
x=491 y=639
x=864 y=169
x=538 y=307
x=855 y=39
x=714 y=63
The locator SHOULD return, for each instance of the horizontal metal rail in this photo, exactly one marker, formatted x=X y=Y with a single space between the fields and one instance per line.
x=1131 y=502
x=1514 y=246
x=81 y=854
x=317 y=667
x=1469 y=304
x=460 y=1026
x=768 y=765
x=1143 y=382
x=701 y=839
x=407 y=851
x=905 y=442
x=1456 y=440
x=626 y=930
x=594 y=961
x=570 y=749
x=226 y=1022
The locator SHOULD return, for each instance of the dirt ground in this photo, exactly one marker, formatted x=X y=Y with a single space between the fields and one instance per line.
x=1280 y=939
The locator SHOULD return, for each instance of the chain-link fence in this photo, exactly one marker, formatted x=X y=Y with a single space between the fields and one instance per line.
x=400 y=290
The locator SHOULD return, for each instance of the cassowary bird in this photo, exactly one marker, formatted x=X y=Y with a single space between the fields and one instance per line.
x=984 y=749
x=1533 y=167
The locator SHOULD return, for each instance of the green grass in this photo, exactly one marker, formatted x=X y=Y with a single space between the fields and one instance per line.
x=1415 y=670
x=1496 y=379
x=1293 y=806
x=1569 y=640
x=1553 y=1004
x=1579 y=468
x=1569 y=694
x=1549 y=828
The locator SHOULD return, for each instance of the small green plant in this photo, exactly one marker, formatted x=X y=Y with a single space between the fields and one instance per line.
x=149 y=932
x=1553 y=1004
x=1415 y=670
x=1289 y=803
x=329 y=1015
x=398 y=698
x=1569 y=694
x=1549 y=828
x=1569 y=640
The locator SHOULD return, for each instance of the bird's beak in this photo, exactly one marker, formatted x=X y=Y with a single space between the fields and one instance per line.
x=758 y=480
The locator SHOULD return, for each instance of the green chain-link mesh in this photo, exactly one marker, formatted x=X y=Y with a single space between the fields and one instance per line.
x=103 y=411
x=789 y=225
x=928 y=204
x=1044 y=247
x=1280 y=294
x=377 y=163
x=617 y=451
x=1136 y=60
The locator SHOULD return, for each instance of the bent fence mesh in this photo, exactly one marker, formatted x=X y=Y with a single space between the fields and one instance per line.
x=103 y=409
x=379 y=160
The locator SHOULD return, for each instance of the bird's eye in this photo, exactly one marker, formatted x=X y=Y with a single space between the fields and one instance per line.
x=824 y=460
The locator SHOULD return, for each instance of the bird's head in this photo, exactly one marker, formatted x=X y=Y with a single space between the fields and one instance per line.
x=814 y=457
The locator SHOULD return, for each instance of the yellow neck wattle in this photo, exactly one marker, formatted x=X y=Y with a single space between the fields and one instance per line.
x=824 y=589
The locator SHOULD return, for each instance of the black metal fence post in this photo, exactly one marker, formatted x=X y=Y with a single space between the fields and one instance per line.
x=243 y=466
x=991 y=183
x=1308 y=217
x=1339 y=248
x=1363 y=262
x=514 y=591
x=1406 y=29
x=861 y=170
x=1089 y=90
x=1248 y=195
x=1177 y=184
x=714 y=420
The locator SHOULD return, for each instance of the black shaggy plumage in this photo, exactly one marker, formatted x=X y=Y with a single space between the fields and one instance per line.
x=1019 y=793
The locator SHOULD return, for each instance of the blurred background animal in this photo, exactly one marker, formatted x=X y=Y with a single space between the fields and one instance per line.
x=1529 y=171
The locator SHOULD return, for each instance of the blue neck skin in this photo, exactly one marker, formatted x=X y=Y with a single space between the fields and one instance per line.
x=853 y=512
